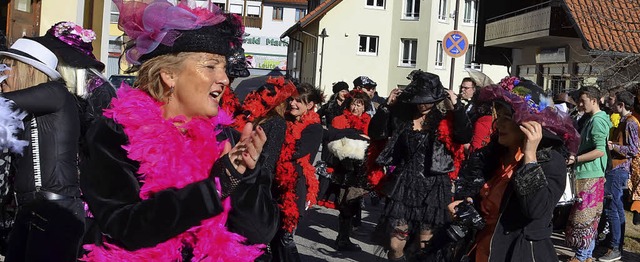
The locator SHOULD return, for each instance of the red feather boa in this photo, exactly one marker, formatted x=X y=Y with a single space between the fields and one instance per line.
x=349 y=120
x=229 y=101
x=286 y=176
x=444 y=135
x=258 y=104
x=172 y=157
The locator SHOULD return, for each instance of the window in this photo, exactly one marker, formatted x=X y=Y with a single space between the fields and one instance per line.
x=442 y=10
x=368 y=45
x=115 y=46
x=409 y=49
x=300 y=13
x=439 y=55
x=277 y=13
x=411 y=9
x=115 y=14
x=253 y=10
x=236 y=9
x=469 y=12
x=468 y=59
x=375 y=3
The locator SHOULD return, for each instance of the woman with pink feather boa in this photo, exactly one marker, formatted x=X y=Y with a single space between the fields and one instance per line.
x=156 y=176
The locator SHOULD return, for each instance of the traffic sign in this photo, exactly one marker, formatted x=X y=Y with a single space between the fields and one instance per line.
x=455 y=44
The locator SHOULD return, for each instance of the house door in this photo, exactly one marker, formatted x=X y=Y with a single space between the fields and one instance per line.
x=23 y=19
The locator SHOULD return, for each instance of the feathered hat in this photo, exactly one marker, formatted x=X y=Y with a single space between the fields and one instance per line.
x=72 y=44
x=529 y=103
x=157 y=27
x=259 y=102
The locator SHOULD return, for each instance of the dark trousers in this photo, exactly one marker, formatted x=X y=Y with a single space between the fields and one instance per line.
x=349 y=210
x=283 y=248
x=47 y=231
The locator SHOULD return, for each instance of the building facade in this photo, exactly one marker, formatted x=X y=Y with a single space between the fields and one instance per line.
x=382 y=39
x=264 y=21
x=562 y=44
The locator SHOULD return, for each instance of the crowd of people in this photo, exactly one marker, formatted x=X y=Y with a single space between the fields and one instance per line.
x=176 y=168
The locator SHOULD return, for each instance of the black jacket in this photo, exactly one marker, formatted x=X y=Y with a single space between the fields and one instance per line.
x=524 y=228
x=58 y=121
x=110 y=185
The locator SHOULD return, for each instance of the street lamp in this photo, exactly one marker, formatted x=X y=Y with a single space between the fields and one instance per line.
x=322 y=35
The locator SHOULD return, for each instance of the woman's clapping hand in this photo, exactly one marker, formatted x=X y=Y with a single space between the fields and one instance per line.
x=244 y=155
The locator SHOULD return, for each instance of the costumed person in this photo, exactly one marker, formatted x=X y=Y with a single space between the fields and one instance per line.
x=81 y=72
x=254 y=211
x=156 y=179
x=591 y=162
x=79 y=68
x=348 y=165
x=327 y=113
x=296 y=186
x=335 y=106
x=517 y=179
x=368 y=86
x=11 y=126
x=623 y=146
x=426 y=148
x=50 y=215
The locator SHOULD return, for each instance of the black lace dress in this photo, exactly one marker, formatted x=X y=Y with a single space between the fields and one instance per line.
x=420 y=199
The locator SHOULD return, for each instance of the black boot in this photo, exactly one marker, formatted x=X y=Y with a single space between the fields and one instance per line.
x=343 y=242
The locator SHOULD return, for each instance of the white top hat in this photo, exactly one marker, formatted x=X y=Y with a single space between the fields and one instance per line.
x=34 y=54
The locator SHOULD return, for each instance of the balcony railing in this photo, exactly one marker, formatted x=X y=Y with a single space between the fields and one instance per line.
x=532 y=22
x=252 y=21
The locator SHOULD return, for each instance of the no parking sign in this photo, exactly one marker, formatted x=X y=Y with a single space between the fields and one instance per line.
x=456 y=44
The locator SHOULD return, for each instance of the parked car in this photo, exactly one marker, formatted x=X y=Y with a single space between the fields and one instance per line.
x=116 y=80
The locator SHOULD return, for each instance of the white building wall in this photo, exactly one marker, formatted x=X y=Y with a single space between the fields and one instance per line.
x=344 y=25
x=263 y=45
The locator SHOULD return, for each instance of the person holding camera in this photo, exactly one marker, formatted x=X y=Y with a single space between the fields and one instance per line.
x=517 y=179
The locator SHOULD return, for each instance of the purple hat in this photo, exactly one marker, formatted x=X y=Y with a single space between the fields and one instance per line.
x=158 y=27
x=72 y=44
x=528 y=103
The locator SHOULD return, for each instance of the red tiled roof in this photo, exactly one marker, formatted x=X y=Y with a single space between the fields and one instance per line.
x=293 y=2
x=607 y=25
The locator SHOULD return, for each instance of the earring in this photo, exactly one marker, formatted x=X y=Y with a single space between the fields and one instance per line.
x=171 y=90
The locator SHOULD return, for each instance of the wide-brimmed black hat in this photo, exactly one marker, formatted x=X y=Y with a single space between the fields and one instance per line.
x=72 y=45
x=425 y=88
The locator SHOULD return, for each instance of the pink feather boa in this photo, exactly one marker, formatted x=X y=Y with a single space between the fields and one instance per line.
x=166 y=155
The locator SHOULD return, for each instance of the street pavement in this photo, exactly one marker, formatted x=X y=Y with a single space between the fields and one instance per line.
x=317 y=231
x=316 y=235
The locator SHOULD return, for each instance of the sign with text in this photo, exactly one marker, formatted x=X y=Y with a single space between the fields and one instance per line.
x=263 y=40
x=267 y=61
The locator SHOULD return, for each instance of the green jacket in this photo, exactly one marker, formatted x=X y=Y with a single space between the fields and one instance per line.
x=594 y=135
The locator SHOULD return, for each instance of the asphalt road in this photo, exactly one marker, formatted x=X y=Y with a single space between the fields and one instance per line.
x=317 y=232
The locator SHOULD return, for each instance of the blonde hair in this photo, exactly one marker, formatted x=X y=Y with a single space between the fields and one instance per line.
x=69 y=74
x=25 y=75
x=149 y=79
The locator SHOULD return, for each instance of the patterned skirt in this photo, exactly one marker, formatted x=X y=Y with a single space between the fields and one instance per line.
x=582 y=226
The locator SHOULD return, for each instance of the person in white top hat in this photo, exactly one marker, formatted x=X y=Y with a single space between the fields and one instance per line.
x=50 y=221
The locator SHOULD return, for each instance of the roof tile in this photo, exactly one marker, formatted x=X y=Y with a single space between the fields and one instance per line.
x=608 y=25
